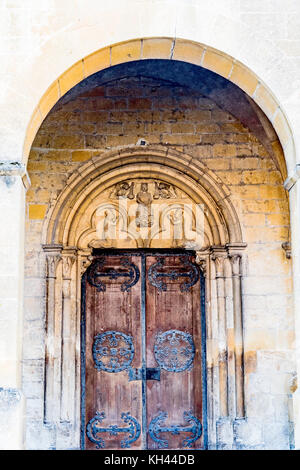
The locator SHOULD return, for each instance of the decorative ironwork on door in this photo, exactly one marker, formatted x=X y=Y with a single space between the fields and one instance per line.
x=113 y=351
x=143 y=350
x=156 y=272
x=94 y=274
x=157 y=428
x=174 y=350
x=94 y=430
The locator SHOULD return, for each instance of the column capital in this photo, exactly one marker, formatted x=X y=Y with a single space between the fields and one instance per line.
x=53 y=256
x=235 y=263
x=55 y=248
x=86 y=259
x=52 y=262
x=236 y=248
x=69 y=256
x=202 y=258
x=219 y=254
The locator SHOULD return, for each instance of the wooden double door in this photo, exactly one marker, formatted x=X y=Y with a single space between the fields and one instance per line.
x=143 y=352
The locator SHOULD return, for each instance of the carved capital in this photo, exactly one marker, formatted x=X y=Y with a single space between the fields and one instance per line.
x=68 y=259
x=52 y=262
x=11 y=169
x=86 y=259
x=53 y=256
x=235 y=251
x=235 y=264
x=219 y=263
x=9 y=398
x=219 y=254
x=202 y=259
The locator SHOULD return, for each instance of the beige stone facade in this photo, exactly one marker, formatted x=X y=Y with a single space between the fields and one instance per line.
x=111 y=112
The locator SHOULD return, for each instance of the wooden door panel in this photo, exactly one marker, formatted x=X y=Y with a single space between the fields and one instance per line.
x=174 y=344
x=112 y=328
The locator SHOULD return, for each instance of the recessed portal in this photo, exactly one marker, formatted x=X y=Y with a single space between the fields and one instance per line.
x=143 y=352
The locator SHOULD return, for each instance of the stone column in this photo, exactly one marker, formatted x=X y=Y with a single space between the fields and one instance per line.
x=67 y=403
x=230 y=333
x=219 y=256
x=13 y=184
x=53 y=329
x=227 y=264
x=65 y=266
x=293 y=186
x=84 y=259
x=235 y=259
x=212 y=386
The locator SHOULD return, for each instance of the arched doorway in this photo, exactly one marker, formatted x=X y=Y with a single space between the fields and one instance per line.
x=171 y=49
x=209 y=159
x=103 y=210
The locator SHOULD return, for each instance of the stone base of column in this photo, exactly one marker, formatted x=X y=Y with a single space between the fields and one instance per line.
x=12 y=412
x=296 y=414
x=247 y=434
x=224 y=434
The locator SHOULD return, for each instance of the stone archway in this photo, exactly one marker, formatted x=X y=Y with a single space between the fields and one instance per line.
x=13 y=194
x=174 y=49
x=71 y=233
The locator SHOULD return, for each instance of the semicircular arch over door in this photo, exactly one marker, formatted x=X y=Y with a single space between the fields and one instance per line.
x=178 y=50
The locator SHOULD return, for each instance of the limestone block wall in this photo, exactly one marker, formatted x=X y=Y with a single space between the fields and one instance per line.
x=120 y=114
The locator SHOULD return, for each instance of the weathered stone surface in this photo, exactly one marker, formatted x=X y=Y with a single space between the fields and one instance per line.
x=224 y=434
x=248 y=434
x=11 y=410
x=276 y=435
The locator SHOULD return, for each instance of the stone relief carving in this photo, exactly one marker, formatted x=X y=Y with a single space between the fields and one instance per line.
x=157 y=190
x=141 y=211
x=123 y=189
x=164 y=191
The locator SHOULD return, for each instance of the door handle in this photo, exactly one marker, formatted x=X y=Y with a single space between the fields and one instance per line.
x=147 y=373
